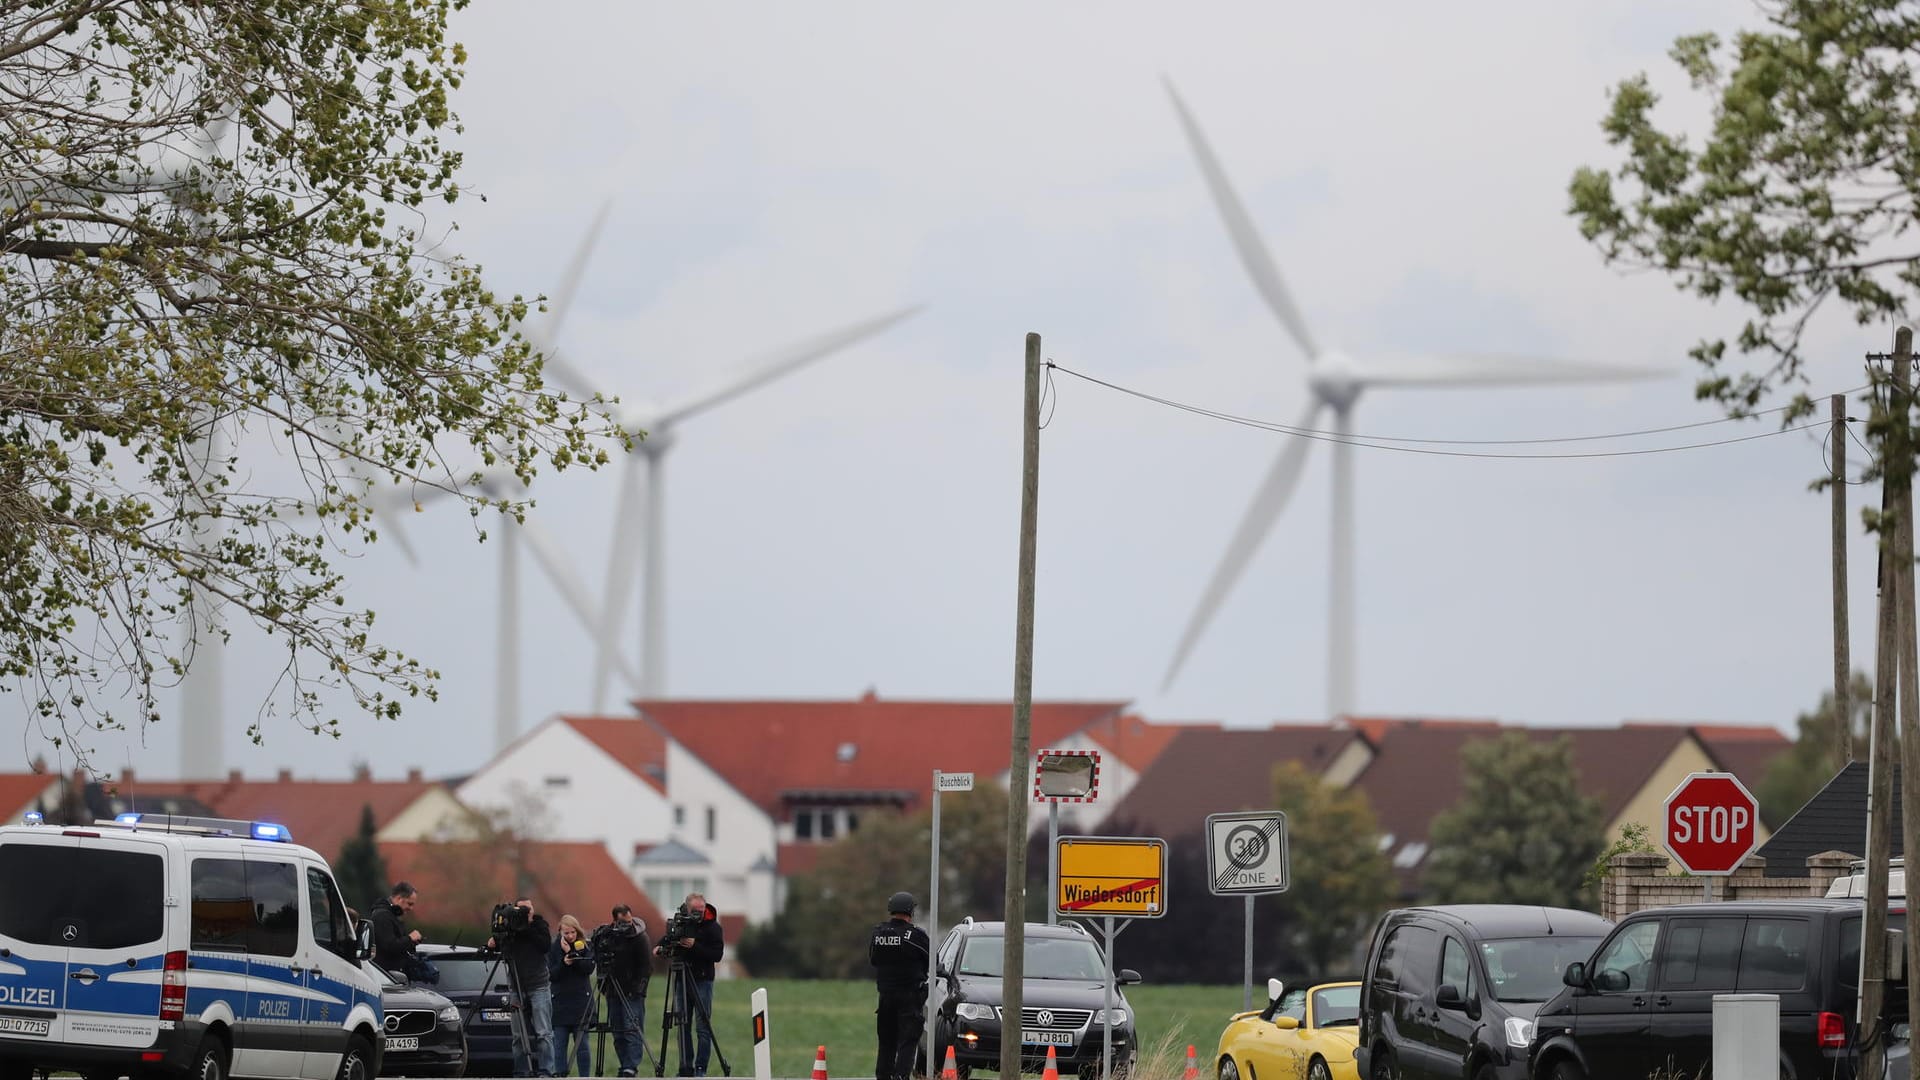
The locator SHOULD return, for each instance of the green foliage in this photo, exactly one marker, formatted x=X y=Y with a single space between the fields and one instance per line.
x=221 y=320
x=1522 y=833
x=1634 y=837
x=1339 y=881
x=1800 y=773
x=1801 y=195
x=360 y=871
x=821 y=932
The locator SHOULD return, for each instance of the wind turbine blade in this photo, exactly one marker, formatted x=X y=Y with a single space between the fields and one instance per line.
x=1490 y=369
x=576 y=269
x=770 y=368
x=553 y=562
x=621 y=563
x=556 y=367
x=1246 y=238
x=1268 y=501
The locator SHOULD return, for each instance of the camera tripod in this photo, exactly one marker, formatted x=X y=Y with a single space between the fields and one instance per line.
x=630 y=1009
x=681 y=998
x=523 y=1038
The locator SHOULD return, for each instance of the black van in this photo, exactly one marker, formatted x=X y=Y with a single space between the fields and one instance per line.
x=1644 y=1001
x=1450 y=990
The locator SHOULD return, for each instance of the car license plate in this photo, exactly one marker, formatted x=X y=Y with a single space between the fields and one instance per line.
x=23 y=1025
x=403 y=1042
x=1047 y=1038
x=498 y=1016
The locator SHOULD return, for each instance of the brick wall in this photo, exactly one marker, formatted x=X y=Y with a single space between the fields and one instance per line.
x=1639 y=880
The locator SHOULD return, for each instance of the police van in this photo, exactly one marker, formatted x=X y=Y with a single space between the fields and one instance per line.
x=153 y=946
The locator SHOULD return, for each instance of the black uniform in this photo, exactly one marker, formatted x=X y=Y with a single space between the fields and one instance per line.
x=898 y=951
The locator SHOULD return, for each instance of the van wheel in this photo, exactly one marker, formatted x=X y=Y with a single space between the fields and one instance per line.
x=356 y=1063
x=1567 y=1070
x=16 y=1070
x=1384 y=1067
x=211 y=1062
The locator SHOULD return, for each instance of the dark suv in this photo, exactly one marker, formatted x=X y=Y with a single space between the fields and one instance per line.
x=476 y=982
x=1062 y=1000
x=1451 y=990
x=1644 y=1001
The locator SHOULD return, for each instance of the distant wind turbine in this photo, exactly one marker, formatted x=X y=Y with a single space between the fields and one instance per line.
x=1335 y=382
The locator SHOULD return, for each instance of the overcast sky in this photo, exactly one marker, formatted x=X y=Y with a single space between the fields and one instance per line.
x=779 y=170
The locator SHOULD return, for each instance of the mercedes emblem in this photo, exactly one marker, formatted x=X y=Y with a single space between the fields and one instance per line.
x=69 y=932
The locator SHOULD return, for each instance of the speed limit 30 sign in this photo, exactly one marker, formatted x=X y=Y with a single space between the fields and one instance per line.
x=1247 y=853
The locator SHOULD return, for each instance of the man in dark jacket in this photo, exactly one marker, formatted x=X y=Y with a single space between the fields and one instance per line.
x=622 y=950
x=392 y=942
x=526 y=954
x=898 y=951
x=699 y=952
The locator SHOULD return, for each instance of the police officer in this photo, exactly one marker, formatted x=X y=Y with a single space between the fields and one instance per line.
x=898 y=952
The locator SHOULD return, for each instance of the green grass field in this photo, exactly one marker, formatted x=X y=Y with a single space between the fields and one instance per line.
x=839 y=1016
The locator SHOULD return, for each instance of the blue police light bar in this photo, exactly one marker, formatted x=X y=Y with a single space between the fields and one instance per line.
x=266 y=830
x=127 y=819
x=35 y=817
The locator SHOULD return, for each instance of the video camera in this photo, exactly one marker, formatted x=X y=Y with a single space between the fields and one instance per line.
x=680 y=925
x=607 y=936
x=508 y=920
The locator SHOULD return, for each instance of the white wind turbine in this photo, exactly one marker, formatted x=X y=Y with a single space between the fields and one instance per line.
x=1335 y=382
x=660 y=426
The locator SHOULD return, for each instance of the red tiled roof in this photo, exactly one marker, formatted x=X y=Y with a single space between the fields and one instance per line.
x=1136 y=740
x=459 y=883
x=629 y=740
x=21 y=791
x=767 y=749
x=1212 y=770
x=321 y=813
x=1376 y=728
x=1746 y=751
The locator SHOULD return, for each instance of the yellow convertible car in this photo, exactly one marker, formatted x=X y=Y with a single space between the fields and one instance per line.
x=1303 y=1035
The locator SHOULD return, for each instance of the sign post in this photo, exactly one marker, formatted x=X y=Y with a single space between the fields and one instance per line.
x=1062 y=776
x=942 y=782
x=1247 y=856
x=1117 y=878
x=1710 y=824
x=762 y=1049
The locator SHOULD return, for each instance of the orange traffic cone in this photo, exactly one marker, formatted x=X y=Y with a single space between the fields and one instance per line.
x=949 y=1071
x=1193 y=1066
x=1053 y=1067
x=820 y=1064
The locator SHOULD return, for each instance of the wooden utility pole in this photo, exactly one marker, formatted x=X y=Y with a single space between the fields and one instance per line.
x=1909 y=642
x=1013 y=963
x=1895 y=463
x=1842 y=647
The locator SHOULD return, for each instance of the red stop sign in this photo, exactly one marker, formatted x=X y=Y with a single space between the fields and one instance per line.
x=1711 y=823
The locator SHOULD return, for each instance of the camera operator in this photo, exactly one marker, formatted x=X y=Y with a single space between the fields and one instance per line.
x=898 y=951
x=525 y=951
x=392 y=942
x=622 y=950
x=699 y=948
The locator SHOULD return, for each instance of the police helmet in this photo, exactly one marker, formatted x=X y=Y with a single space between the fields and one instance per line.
x=900 y=903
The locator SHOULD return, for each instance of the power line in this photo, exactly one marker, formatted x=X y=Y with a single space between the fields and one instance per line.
x=1418 y=446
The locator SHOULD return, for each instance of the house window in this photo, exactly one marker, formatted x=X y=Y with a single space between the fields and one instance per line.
x=713 y=824
x=679 y=815
x=803 y=824
x=828 y=819
x=558 y=782
x=853 y=821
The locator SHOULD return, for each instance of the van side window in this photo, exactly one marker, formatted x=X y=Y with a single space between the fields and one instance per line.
x=1700 y=954
x=1626 y=961
x=276 y=908
x=1419 y=960
x=1773 y=955
x=1386 y=970
x=330 y=929
x=1455 y=971
x=1848 y=963
x=222 y=913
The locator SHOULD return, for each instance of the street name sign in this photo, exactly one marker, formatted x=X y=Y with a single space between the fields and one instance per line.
x=1247 y=853
x=1125 y=877
x=953 y=781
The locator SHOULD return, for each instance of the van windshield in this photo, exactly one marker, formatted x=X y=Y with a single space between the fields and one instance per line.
x=109 y=898
x=1528 y=969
